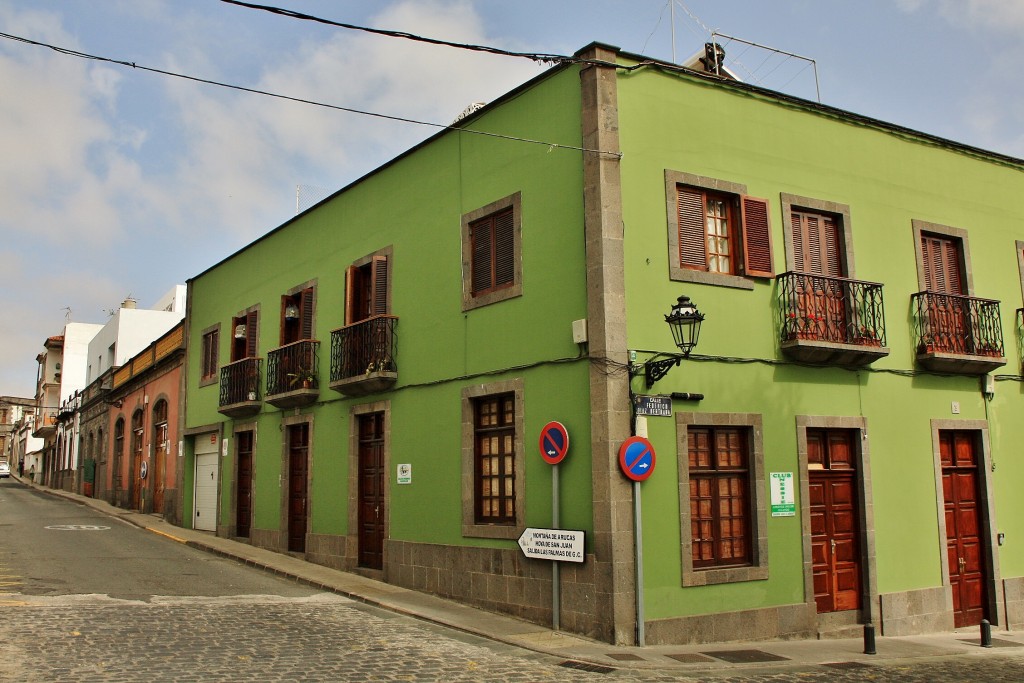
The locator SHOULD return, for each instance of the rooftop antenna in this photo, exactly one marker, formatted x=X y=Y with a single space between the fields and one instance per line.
x=67 y=314
x=715 y=34
x=672 y=21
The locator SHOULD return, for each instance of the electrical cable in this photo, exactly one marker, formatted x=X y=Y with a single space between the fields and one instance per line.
x=255 y=91
x=537 y=57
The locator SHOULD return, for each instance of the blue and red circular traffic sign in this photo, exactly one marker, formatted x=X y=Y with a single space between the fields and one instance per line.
x=636 y=458
x=553 y=443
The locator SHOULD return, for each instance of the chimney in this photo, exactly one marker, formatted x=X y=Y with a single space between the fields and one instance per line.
x=129 y=303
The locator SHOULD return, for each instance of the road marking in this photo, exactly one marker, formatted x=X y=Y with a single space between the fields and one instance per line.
x=77 y=527
x=167 y=535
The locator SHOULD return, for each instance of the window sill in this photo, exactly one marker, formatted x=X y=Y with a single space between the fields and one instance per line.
x=709 y=577
x=205 y=382
x=704 y=278
x=502 y=531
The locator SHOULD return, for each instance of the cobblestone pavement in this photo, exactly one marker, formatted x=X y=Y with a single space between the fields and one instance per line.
x=329 y=638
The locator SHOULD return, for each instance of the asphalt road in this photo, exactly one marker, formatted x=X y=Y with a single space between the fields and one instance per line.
x=86 y=597
x=50 y=546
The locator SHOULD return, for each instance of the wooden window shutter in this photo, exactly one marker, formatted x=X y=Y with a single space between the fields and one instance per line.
x=306 y=314
x=251 y=333
x=481 y=266
x=757 y=238
x=816 y=244
x=941 y=261
x=351 y=276
x=379 y=286
x=798 y=241
x=692 y=250
x=504 y=249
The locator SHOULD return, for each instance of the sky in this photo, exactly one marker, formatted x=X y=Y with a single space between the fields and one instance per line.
x=117 y=181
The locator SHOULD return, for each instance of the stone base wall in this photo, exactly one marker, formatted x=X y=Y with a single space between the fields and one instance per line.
x=499 y=580
x=172 y=512
x=327 y=550
x=915 y=612
x=785 y=621
x=271 y=539
x=1013 y=594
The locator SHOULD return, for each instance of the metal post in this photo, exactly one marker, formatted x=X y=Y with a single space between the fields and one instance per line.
x=986 y=633
x=639 y=532
x=555 y=577
x=869 y=639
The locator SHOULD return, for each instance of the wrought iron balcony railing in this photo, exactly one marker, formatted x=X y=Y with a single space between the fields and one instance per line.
x=240 y=382
x=365 y=350
x=293 y=367
x=831 y=309
x=955 y=324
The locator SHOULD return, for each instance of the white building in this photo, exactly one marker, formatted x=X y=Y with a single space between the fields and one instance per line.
x=131 y=329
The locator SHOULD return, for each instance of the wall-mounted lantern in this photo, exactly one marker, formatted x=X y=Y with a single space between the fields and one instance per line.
x=684 y=320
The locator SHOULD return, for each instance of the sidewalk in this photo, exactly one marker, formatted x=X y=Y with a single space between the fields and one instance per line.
x=719 y=658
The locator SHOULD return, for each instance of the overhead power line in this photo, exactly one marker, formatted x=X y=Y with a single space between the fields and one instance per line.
x=535 y=56
x=255 y=91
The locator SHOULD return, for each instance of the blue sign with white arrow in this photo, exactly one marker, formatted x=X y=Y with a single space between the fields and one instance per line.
x=636 y=458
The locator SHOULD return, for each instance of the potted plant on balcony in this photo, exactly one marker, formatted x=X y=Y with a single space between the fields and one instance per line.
x=301 y=378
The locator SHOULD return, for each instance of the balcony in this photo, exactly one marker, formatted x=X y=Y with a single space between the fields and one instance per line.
x=240 y=388
x=363 y=356
x=45 y=425
x=831 y=320
x=293 y=374
x=958 y=334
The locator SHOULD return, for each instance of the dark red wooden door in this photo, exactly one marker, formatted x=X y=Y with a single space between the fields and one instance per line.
x=372 y=512
x=821 y=306
x=298 y=463
x=243 y=508
x=964 y=549
x=136 y=467
x=835 y=525
x=159 y=465
x=946 y=325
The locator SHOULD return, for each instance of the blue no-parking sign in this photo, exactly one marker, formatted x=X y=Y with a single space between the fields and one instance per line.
x=636 y=458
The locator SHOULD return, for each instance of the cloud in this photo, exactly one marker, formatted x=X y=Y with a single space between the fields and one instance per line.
x=116 y=180
x=998 y=15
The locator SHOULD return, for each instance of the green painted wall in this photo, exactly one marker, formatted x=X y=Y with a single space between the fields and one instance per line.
x=685 y=124
x=415 y=205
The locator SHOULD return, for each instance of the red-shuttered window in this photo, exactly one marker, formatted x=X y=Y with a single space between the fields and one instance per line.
x=366 y=289
x=297 y=316
x=208 y=361
x=942 y=260
x=719 y=496
x=723 y=233
x=244 y=335
x=493 y=252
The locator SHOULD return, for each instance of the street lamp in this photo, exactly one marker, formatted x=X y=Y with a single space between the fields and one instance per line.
x=684 y=320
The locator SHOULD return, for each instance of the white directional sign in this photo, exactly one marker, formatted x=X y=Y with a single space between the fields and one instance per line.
x=553 y=544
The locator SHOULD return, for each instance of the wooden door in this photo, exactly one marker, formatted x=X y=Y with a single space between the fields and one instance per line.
x=298 y=455
x=243 y=504
x=835 y=520
x=820 y=305
x=159 y=463
x=372 y=511
x=964 y=540
x=945 y=328
x=135 y=478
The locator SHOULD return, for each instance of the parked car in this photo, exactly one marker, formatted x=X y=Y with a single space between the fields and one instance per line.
x=5 y=470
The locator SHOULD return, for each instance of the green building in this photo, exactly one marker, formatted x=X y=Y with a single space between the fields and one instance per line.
x=367 y=384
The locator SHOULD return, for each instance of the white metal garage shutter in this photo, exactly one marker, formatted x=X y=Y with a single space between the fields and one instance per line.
x=205 y=514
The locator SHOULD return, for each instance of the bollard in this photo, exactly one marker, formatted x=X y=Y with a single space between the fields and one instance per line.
x=986 y=633
x=869 y=639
